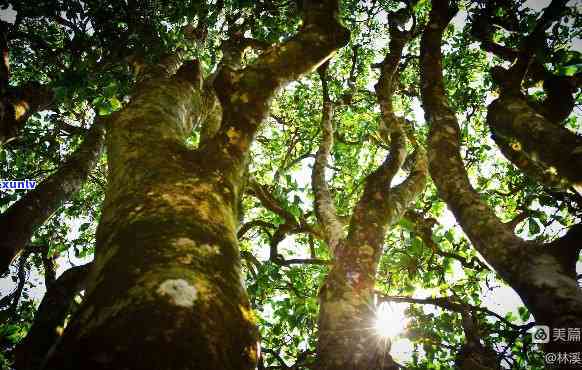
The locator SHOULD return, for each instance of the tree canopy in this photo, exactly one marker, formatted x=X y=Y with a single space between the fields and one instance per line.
x=293 y=184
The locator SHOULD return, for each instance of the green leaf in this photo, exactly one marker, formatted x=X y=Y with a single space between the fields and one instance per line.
x=570 y=70
x=534 y=227
x=523 y=313
x=110 y=90
x=115 y=103
x=60 y=93
x=103 y=110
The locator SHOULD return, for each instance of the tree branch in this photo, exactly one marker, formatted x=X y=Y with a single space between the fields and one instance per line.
x=32 y=210
x=423 y=228
x=379 y=205
x=325 y=210
x=54 y=307
x=245 y=94
x=536 y=143
x=450 y=303
x=491 y=237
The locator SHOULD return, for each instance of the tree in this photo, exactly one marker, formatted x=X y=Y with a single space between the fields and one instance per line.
x=267 y=172
x=493 y=239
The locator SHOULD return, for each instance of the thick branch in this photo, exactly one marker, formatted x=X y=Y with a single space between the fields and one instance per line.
x=535 y=142
x=245 y=94
x=491 y=237
x=379 y=206
x=51 y=314
x=22 y=218
x=559 y=101
x=567 y=249
x=532 y=271
x=403 y=194
x=254 y=223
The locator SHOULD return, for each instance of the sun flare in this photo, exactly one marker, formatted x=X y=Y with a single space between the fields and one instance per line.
x=390 y=320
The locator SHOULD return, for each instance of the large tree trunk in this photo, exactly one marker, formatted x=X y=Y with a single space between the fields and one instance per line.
x=22 y=218
x=347 y=339
x=347 y=336
x=165 y=291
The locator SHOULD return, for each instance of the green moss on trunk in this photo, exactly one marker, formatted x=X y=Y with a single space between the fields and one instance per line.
x=165 y=291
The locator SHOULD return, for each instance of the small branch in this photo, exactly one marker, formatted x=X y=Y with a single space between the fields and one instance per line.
x=423 y=228
x=264 y=225
x=270 y=202
x=450 y=303
x=300 y=261
x=325 y=209
x=520 y=217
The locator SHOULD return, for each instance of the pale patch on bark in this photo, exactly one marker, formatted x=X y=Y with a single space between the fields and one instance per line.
x=233 y=135
x=185 y=243
x=187 y=259
x=179 y=292
x=353 y=277
x=210 y=249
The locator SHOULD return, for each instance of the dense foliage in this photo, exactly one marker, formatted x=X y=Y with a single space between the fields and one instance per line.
x=88 y=54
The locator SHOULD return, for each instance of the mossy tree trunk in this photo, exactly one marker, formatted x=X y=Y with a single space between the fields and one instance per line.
x=347 y=338
x=542 y=274
x=165 y=290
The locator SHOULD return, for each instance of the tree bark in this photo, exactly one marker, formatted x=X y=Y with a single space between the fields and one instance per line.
x=167 y=270
x=166 y=292
x=49 y=319
x=18 y=104
x=473 y=354
x=533 y=270
x=347 y=339
x=22 y=218
x=553 y=149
